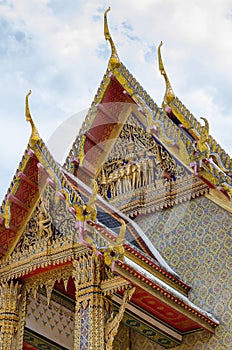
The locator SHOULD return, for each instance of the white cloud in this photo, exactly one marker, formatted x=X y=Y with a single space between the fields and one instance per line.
x=58 y=50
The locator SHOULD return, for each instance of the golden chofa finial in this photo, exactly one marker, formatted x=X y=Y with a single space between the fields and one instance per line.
x=114 y=59
x=34 y=133
x=201 y=143
x=169 y=94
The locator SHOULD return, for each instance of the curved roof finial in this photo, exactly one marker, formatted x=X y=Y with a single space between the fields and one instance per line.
x=114 y=59
x=205 y=130
x=202 y=145
x=169 y=94
x=34 y=133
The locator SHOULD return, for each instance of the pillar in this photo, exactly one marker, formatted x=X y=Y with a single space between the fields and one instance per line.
x=90 y=310
x=9 y=314
x=95 y=325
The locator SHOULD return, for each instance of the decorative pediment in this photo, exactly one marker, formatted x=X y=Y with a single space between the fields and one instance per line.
x=39 y=229
x=141 y=174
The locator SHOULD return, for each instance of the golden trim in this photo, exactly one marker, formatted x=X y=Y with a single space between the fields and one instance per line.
x=214 y=196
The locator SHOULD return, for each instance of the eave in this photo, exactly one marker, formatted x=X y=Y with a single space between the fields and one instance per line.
x=177 y=133
x=151 y=292
x=19 y=201
x=37 y=170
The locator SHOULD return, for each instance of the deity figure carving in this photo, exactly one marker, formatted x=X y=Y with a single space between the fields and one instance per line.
x=112 y=324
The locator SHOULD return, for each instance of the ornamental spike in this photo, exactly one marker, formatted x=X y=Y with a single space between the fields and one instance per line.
x=34 y=133
x=169 y=94
x=114 y=59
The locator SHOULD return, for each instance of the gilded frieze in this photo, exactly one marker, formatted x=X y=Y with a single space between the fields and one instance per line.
x=141 y=175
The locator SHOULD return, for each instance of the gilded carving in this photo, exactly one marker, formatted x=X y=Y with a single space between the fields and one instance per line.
x=34 y=133
x=22 y=319
x=136 y=163
x=169 y=94
x=38 y=228
x=113 y=251
x=9 y=313
x=90 y=305
x=62 y=219
x=114 y=59
x=48 y=279
x=112 y=324
x=202 y=150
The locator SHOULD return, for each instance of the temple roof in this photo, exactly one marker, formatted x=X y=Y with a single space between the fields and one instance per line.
x=173 y=125
x=124 y=246
x=142 y=262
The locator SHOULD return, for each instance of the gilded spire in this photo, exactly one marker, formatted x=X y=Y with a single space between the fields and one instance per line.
x=34 y=133
x=169 y=94
x=114 y=59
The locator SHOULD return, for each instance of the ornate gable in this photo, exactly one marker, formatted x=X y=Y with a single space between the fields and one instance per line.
x=81 y=244
x=140 y=174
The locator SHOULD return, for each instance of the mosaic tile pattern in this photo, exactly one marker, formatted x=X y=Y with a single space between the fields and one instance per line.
x=122 y=338
x=195 y=239
x=55 y=322
x=139 y=342
x=84 y=320
x=127 y=338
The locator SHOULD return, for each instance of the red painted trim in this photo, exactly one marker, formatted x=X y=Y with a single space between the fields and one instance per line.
x=23 y=177
x=27 y=346
x=165 y=293
x=96 y=142
x=16 y=201
x=2 y=250
x=31 y=153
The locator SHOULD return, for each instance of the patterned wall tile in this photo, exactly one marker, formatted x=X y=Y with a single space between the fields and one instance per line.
x=195 y=239
x=53 y=321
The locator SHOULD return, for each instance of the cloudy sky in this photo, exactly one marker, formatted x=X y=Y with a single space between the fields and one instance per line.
x=57 y=49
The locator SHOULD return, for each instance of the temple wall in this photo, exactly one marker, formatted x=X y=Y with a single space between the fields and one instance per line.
x=195 y=239
x=127 y=338
x=54 y=321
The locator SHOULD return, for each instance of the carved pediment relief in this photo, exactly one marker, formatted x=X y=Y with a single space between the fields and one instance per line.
x=139 y=171
x=38 y=229
x=49 y=221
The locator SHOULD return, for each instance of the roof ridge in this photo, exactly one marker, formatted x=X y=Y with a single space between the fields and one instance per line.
x=138 y=93
x=223 y=157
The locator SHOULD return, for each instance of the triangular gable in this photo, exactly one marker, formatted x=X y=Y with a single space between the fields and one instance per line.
x=19 y=201
x=63 y=192
x=73 y=208
x=172 y=125
x=36 y=171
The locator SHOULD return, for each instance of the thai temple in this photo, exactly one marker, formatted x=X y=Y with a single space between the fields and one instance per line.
x=127 y=244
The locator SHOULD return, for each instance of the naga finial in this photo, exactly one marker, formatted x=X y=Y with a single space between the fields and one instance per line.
x=112 y=324
x=205 y=131
x=34 y=133
x=201 y=143
x=91 y=205
x=122 y=233
x=27 y=112
x=114 y=59
x=169 y=94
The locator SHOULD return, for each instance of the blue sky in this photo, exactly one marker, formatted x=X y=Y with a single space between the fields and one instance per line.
x=57 y=49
